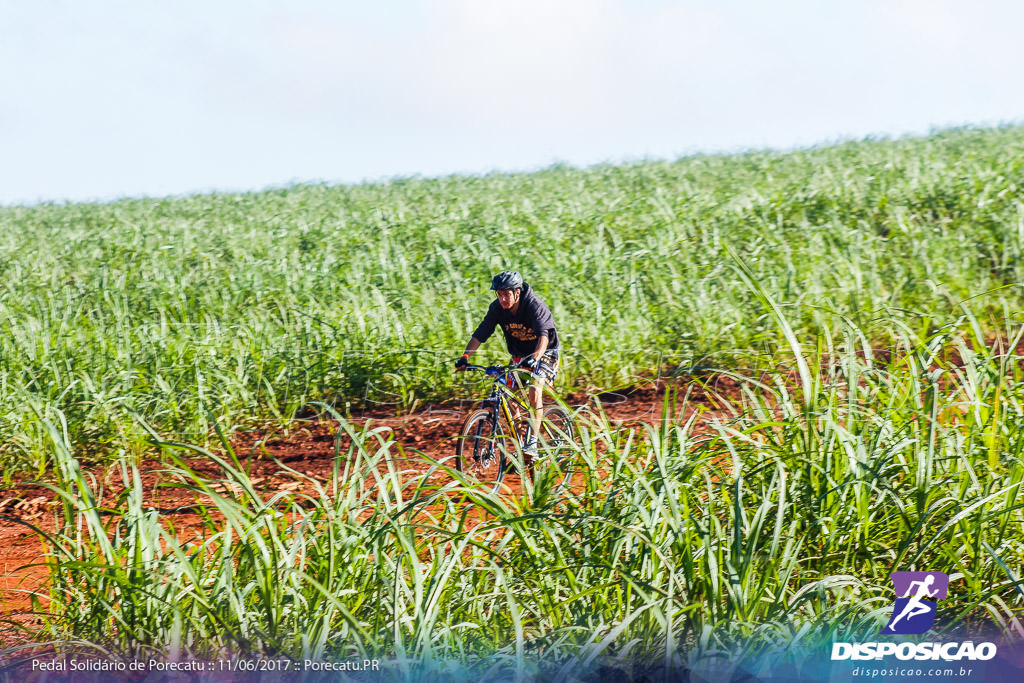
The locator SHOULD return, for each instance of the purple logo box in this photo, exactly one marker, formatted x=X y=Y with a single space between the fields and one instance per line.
x=916 y=596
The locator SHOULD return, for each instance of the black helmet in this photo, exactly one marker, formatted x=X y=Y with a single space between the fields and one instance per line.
x=507 y=279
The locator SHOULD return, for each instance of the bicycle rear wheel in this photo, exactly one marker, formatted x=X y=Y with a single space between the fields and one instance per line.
x=480 y=449
x=559 y=447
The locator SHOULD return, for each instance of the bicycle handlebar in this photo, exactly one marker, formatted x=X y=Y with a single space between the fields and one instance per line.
x=495 y=370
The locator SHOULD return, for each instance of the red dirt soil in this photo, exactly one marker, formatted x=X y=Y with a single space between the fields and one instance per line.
x=305 y=446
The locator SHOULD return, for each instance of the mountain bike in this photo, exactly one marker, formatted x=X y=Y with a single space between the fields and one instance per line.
x=491 y=440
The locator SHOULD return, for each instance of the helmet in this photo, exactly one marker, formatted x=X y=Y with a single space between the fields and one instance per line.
x=507 y=279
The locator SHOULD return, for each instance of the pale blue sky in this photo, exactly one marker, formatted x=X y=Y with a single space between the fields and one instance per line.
x=105 y=99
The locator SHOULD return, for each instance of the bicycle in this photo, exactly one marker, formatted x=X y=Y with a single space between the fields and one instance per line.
x=490 y=443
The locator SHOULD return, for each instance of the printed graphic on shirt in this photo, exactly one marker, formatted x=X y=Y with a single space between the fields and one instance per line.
x=520 y=332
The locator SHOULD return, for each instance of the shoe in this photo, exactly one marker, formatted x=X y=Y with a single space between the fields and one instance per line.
x=530 y=447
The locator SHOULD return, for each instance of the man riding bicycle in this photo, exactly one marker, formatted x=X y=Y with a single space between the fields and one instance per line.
x=530 y=336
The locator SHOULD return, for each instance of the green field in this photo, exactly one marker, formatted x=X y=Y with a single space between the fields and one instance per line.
x=866 y=297
x=247 y=306
x=756 y=543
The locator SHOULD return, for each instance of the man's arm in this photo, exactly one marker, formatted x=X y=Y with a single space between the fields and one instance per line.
x=472 y=346
x=542 y=346
x=542 y=323
x=463 y=360
x=486 y=327
x=538 y=351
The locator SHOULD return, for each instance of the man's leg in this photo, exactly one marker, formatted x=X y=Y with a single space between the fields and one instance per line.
x=544 y=376
x=536 y=398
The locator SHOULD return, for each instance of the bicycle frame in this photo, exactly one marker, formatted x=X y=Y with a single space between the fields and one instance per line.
x=502 y=397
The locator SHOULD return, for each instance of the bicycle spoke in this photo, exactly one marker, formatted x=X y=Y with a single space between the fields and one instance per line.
x=480 y=450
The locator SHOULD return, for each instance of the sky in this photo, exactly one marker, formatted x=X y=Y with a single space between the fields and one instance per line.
x=104 y=99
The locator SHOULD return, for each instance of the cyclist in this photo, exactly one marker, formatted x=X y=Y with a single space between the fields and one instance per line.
x=530 y=336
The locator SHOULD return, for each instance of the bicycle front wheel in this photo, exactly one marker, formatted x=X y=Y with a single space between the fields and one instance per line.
x=559 y=446
x=479 y=450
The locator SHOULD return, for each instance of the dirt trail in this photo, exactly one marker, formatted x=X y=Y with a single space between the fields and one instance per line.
x=306 y=447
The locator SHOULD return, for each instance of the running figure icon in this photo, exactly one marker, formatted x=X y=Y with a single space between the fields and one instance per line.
x=915 y=606
x=914 y=610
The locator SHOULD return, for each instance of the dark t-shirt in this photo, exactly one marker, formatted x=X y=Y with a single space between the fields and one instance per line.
x=521 y=330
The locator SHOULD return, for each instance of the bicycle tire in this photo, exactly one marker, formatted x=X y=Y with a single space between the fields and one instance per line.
x=559 y=446
x=480 y=449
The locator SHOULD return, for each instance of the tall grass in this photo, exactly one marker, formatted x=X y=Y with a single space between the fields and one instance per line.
x=754 y=540
x=225 y=308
